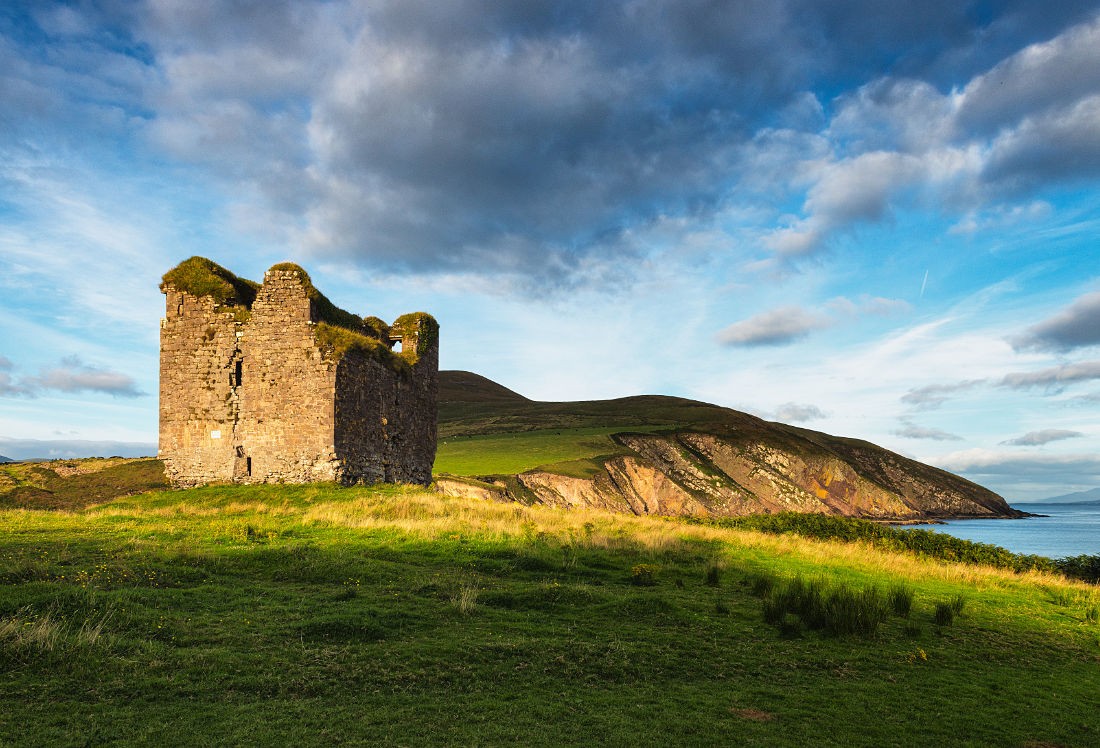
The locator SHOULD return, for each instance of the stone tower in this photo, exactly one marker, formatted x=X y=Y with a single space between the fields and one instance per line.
x=264 y=383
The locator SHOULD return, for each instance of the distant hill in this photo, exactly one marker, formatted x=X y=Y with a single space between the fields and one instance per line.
x=1091 y=496
x=6 y=459
x=654 y=454
x=467 y=387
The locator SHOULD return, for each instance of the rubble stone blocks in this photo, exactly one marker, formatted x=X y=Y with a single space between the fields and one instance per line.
x=266 y=383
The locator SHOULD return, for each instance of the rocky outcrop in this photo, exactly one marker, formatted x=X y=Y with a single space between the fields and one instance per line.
x=705 y=474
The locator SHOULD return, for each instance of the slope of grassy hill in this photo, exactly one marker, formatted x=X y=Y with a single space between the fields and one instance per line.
x=75 y=483
x=318 y=615
x=667 y=455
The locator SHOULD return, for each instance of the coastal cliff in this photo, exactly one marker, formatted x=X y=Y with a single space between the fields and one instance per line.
x=681 y=457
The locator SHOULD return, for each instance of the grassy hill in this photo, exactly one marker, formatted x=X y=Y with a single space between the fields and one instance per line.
x=666 y=455
x=317 y=615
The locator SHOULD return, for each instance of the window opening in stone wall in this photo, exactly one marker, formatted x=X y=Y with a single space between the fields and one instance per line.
x=248 y=465
x=237 y=373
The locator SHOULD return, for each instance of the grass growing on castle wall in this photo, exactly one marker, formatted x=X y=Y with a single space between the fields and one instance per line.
x=319 y=615
x=199 y=276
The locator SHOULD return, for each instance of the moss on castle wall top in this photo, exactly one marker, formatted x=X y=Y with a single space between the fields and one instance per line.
x=341 y=341
x=199 y=276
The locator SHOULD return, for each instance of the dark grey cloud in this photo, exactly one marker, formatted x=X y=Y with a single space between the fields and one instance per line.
x=1054 y=377
x=934 y=395
x=1041 y=437
x=1076 y=326
x=71 y=375
x=799 y=413
x=910 y=430
x=776 y=327
x=56 y=449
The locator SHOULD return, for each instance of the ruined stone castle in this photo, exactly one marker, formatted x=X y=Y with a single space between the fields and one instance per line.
x=271 y=382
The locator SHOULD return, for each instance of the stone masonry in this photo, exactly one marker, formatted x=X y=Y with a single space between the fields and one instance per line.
x=272 y=383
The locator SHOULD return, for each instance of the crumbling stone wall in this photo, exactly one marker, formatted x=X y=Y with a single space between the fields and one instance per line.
x=252 y=393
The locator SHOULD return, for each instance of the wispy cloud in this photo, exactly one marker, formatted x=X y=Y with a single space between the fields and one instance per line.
x=910 y=430
x=1055 y=376
x=777 y=327
x=933 y=396
x=799 y=413
x=1043 y=436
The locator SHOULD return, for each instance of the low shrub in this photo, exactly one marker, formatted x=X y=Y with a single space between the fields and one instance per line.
x=643 y=575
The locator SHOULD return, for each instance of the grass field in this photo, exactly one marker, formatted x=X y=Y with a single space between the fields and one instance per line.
x=318 y=615
x=510 y=453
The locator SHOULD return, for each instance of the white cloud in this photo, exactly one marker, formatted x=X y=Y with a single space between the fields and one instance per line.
x=776 y=327
x=1055 y=376
x=910 y=430
x=71 y=376
x=1041 y=437
x=799 y=413
x=934 y=395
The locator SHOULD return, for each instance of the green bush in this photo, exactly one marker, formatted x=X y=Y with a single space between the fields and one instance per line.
x=643 y=575
x=1082 y=567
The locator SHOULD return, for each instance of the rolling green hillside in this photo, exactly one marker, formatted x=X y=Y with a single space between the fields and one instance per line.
x=319 y=615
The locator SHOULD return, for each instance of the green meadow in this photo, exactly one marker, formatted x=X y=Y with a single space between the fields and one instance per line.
x=517 y=452
x=391 y=615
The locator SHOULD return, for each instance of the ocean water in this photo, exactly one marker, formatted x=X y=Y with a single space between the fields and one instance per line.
x=1069 y=530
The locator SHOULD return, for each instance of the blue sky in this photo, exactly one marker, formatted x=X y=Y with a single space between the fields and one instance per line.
x=877 y=220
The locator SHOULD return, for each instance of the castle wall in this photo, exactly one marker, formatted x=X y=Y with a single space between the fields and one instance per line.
x=198 y=407
x=285 y=431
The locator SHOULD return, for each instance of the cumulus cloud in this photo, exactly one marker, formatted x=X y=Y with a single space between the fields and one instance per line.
x=933 y=396
x=1076 y=326
x=776 y=327
x=1054 y=377
x=799 y=413
x=910 y=430
x=1043 y=436
x=71 y=375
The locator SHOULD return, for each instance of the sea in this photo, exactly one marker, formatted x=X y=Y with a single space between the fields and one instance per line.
x=1066 y=530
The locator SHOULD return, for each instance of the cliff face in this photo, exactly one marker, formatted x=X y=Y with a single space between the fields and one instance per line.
x=690 y=473
x=720 y=462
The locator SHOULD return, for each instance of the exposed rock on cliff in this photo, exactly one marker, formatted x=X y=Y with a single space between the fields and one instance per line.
x=699 y=459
